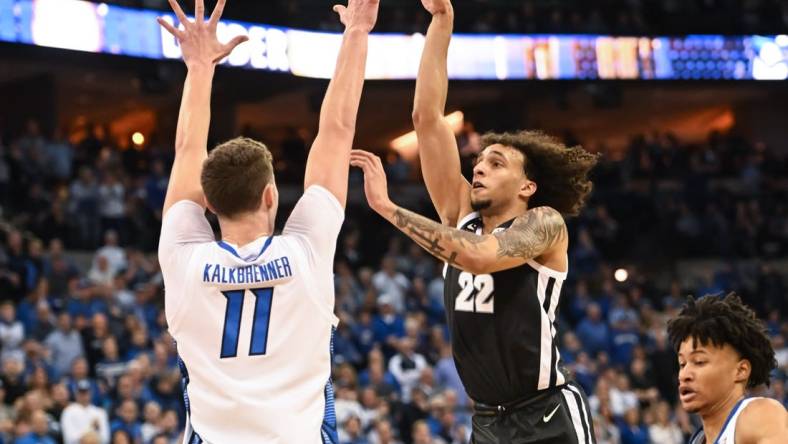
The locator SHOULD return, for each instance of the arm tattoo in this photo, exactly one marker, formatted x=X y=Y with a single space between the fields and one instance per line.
x=532 y=233
x=433 y=236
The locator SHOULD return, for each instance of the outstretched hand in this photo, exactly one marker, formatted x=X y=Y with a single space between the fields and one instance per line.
x=198 y=40
x=375 y=184
x=436 y=7
x=359 y=14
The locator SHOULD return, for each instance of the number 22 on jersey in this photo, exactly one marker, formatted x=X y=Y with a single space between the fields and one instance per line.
x=476 y=295
x=232 y=321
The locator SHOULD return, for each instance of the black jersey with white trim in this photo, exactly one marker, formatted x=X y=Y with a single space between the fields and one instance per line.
x=503 y=327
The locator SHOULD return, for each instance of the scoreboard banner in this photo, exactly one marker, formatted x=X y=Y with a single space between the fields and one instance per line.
x=101 y=28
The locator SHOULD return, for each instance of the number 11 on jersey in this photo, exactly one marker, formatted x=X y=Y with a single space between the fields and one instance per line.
x=232 y=321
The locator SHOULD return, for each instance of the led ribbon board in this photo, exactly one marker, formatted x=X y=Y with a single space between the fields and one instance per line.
x=101 y=28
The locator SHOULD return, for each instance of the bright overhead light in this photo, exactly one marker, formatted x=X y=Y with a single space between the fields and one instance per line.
x=621 y=275
x=138 y=138
x=407 y=145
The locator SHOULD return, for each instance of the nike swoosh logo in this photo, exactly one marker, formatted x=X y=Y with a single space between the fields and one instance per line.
x=547 y=418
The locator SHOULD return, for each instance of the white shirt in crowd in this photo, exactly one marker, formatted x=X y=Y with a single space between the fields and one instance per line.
x=667 y=434
x=78 y=419
x=407 y=377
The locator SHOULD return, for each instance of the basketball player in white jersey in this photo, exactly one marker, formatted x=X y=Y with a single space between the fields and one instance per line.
x=252 y=314
x=723 y=352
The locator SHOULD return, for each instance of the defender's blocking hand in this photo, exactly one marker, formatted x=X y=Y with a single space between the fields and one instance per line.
x=358 y=14
x=198 y=40
x=375 y=184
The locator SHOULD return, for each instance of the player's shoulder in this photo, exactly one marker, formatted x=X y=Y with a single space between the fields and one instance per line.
x=545 y=214
x=759 y=406
x=761 y=418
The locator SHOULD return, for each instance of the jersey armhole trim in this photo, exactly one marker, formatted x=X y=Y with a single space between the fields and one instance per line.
x=466 y=219
x=560 y=275
x=460 y=224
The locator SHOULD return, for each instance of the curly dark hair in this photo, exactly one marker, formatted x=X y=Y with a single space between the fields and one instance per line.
x=560 y=172
x=726 y=320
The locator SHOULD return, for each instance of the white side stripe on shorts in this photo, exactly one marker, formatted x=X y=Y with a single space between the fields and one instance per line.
x=569 y=397
x=583 y=409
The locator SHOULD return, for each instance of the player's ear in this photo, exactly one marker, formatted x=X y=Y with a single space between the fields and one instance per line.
x=743 y=371
x=270 y=196
x=527 y=188
x=209 y=206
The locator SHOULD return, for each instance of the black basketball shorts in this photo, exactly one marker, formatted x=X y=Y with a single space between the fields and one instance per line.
x=559 y=415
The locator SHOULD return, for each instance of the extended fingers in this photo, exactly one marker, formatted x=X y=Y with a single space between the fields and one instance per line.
x=217 y=12
x=360 y=161
x=199 y=11
x=171 y=29
x=176 y=8
x=374 y=161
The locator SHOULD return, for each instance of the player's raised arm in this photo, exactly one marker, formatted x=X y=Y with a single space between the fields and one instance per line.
x=440 y=158
x=530 y=236
x=327 y=164
x=201 y=52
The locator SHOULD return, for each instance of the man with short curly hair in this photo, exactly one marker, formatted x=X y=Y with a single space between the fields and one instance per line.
x=723 y=352
x=504 y=240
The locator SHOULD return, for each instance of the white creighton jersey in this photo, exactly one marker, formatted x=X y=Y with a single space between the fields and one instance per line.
x=728 y=433
x=253 y=325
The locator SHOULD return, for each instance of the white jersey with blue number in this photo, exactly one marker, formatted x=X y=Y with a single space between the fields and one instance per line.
x=253 y=324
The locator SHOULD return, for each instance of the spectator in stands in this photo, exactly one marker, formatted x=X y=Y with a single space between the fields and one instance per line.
x=127 y=421
x=622 y=398
x=388 y=326
x=81 y=418
x=83 y=207
x=12 y=332
x=150 y=428
x=663 y=431
x=446 y=375
x=64 y=344
x=382 y=434
x=605 y=428
x=406 y=367
x=633 y=431
x=39 y=434
x=350 y=432
x=115 y=255
x=593 y=331
x=422 y=435
x=388 y=281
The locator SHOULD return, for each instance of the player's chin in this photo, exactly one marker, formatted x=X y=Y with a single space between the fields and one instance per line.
x=479 y=203
x=692 y=407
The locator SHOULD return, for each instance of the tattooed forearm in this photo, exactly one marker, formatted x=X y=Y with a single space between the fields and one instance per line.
x=532 y=233
x=439 y=240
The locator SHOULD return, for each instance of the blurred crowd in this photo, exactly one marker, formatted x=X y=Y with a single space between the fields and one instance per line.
x=86 y=357
x=657 y=17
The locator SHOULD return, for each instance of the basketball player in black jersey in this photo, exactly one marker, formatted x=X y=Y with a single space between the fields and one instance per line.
x=506 y=260
x=723 y=352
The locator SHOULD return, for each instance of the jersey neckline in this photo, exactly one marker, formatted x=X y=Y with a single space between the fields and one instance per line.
x=728 y=419
x=232 y=249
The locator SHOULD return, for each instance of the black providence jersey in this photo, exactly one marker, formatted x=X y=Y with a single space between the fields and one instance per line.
x=502 y=327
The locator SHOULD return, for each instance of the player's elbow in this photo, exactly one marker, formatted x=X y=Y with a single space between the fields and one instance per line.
x=425 y=117
x=478 y=263
x=337 y=127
